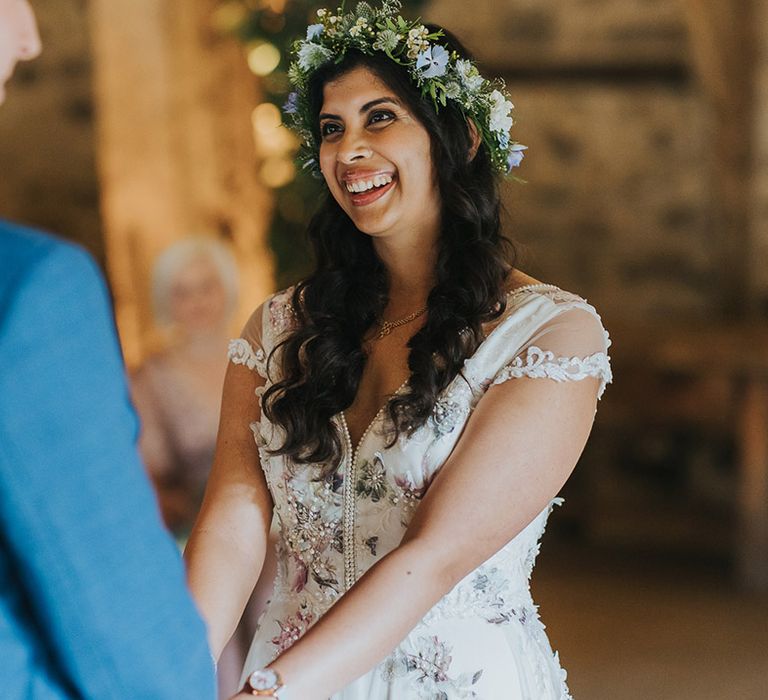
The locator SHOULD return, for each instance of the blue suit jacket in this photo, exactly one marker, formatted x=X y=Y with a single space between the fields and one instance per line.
x=92 y=596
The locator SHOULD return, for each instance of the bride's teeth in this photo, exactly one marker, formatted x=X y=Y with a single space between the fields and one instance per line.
x=359 y=186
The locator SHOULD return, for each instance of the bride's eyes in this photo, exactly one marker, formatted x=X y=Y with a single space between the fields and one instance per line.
x=329 y=128
x=380 y=116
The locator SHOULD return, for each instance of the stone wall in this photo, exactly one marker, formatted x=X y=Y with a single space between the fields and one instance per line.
x=616 y=201
x=617 y=205
x=47 y=150
x=537 y=33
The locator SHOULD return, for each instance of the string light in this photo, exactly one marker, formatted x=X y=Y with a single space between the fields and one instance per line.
x=229 y=16
x=277 y=171
x=263 y=58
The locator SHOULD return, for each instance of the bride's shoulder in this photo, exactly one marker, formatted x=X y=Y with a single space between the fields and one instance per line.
x=273 y=317
x=520 y=287
x=528 y=297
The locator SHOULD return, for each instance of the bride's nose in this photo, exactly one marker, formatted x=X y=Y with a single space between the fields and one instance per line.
x=353 y=147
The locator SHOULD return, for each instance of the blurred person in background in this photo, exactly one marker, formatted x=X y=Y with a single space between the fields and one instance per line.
x=92 y=597
x=177 y=393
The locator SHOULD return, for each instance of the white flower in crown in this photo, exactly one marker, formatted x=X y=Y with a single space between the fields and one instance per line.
x=312 y=56
x=417 y=41
x=358 y=28
x=469 y=75
x=432 y=62
x=501 y=108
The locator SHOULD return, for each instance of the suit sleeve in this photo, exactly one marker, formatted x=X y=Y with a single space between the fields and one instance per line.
x=105 y=580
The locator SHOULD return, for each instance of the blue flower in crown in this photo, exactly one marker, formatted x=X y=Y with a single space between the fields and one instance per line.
x=432 y=62
x=516 y=155
x=314 y=31
x=291 y=105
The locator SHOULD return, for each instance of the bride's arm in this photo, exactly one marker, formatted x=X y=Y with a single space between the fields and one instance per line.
x=519 y=447
x=228 y=543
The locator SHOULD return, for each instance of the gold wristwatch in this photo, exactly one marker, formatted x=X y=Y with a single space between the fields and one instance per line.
x=264 y=683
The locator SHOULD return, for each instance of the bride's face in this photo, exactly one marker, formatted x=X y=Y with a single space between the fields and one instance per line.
x=375 y=156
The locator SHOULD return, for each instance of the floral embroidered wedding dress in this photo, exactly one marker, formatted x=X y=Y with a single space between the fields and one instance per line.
x=484 y=639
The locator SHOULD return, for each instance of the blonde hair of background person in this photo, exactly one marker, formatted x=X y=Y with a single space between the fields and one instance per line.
x=178 y=256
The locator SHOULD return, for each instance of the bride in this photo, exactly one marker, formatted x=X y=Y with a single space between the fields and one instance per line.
x=408 y=412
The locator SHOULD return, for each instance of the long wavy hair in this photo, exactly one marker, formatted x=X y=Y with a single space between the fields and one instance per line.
x=322 y=360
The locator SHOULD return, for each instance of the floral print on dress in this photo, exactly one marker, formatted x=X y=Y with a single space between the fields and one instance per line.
x=447 y=415
x=291 y=630
x=310 y=532
x=372 y=479
x=428 y=668
x=282 y=317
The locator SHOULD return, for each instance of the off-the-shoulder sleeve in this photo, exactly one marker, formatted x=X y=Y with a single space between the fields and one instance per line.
x=570 y=347
x=268 y=325
x=250 y=349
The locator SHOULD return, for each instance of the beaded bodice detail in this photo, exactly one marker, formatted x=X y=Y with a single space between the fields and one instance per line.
x=335 y=524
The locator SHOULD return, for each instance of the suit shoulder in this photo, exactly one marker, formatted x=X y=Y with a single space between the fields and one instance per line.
x=26 y=254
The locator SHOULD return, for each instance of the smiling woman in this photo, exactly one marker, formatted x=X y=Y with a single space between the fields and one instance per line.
x=415 y=374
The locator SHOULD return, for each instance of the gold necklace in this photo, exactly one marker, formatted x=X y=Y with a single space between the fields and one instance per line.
x=387 y=327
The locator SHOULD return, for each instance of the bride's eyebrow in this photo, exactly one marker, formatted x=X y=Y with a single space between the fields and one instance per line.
x=366 y=107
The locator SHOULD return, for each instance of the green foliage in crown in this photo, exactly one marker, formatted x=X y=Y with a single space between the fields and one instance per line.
x=442 y=75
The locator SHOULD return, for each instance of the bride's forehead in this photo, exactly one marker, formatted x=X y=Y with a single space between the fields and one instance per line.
x=354 y=89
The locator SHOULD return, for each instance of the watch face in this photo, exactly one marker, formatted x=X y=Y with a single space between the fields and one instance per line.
x=263 y=680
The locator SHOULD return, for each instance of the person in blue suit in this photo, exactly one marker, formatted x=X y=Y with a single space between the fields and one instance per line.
x=93 y=602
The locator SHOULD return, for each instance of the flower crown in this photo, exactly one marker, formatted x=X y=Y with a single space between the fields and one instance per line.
x=441 y=74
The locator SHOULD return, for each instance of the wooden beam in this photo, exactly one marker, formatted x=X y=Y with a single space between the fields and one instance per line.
x=176 y=150
x=752 y=534
x=722 y=41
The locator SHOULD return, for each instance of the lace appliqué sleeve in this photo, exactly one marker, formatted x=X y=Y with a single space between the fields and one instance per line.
x=543 y=364
x=241 y=353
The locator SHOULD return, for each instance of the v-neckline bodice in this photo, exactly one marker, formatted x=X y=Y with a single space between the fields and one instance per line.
x=354 y=447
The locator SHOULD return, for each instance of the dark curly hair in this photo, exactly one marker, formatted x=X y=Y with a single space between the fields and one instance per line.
x=322 y=360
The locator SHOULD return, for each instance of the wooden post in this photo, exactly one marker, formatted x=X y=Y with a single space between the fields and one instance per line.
x=722 y=36
x=176 y=150
x=752 y=535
